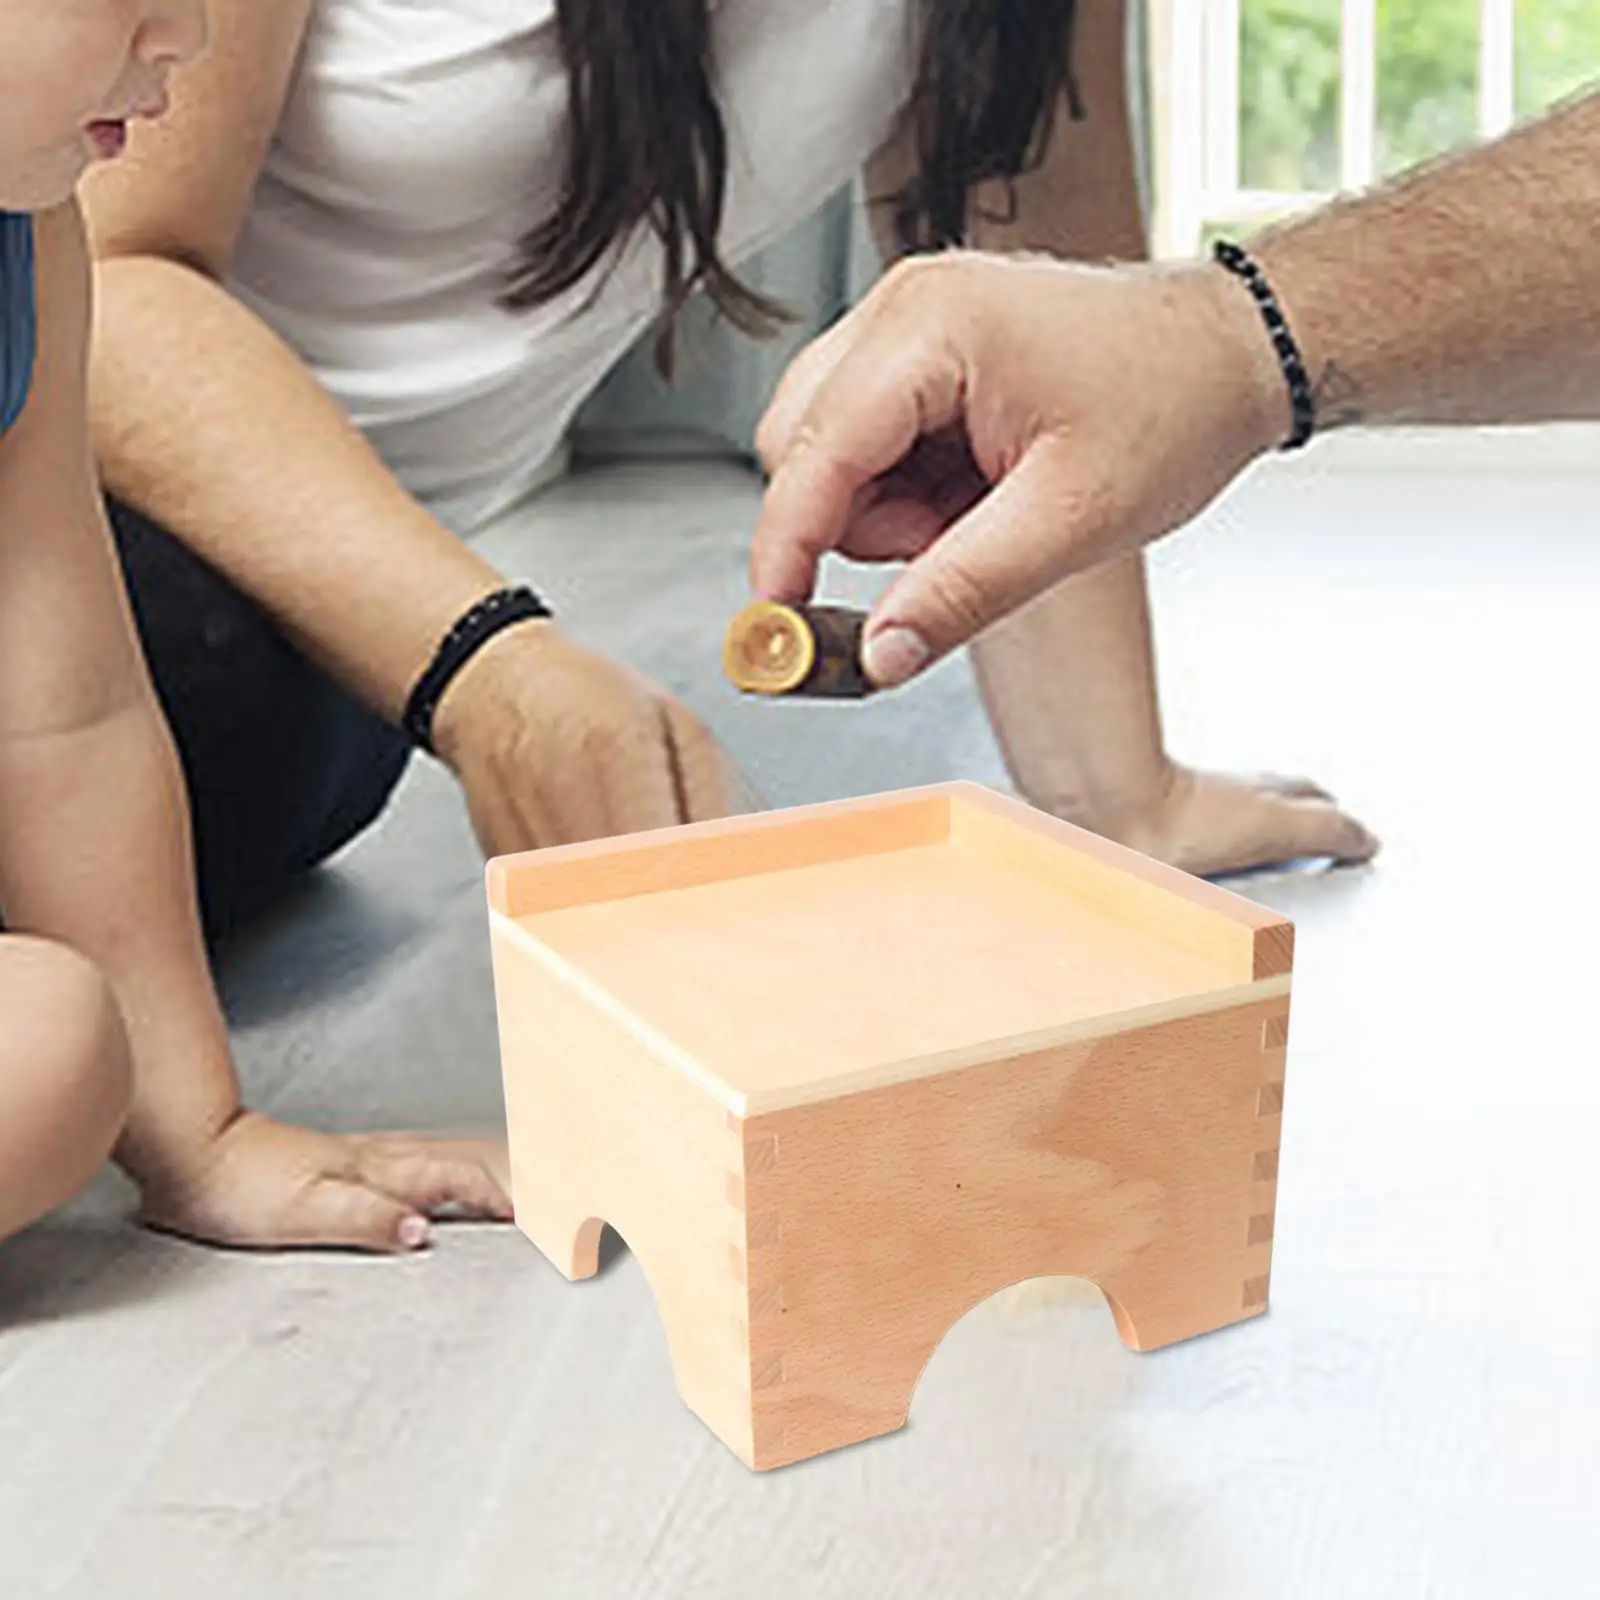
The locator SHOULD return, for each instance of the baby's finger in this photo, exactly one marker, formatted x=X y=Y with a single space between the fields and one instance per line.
x=352 y=1216
x=427 y=1178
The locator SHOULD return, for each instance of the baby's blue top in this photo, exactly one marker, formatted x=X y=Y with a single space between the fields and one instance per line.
x=17 y=336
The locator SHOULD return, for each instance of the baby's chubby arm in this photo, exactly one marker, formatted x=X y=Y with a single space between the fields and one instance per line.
x=94 y=834
x=95 y=852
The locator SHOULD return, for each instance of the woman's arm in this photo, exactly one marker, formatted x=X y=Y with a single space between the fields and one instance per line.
x=209 y=424
x=1069 y=682
x=206 y=422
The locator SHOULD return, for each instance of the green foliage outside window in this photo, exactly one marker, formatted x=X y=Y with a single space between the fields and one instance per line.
x=1289 y=94
x=1558 y=50
x=1427 y=75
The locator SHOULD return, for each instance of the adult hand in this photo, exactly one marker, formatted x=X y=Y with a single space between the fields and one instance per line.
x=260 y=1184
x=555 y=743
x=1002 y=422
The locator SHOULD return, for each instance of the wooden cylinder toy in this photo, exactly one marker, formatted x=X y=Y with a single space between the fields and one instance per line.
x=812 y=651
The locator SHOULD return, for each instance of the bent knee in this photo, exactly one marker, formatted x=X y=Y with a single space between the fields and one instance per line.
x=66 y=1074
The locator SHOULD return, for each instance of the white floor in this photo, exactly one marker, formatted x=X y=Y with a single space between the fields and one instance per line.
x=1419 y=1415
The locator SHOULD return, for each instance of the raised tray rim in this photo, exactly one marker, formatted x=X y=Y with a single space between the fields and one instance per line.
x=1266 y=935
x=1261 y=939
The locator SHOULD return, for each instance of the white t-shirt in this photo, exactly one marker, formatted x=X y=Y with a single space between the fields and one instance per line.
x=419 y=141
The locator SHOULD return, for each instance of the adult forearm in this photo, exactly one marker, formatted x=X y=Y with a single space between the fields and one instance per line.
x=206 y=422
x=1466 y=293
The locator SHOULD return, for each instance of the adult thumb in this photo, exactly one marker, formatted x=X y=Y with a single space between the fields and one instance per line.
x=1029 y=532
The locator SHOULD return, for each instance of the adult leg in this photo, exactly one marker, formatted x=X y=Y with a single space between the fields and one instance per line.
x=283 y=765
x=65 y=1077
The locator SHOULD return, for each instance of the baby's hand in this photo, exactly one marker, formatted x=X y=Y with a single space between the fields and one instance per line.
x=265 y=1185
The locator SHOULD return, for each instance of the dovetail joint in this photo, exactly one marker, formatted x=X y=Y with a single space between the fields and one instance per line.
x=763 y=1228
x=766 y=1303
x=761 y=1155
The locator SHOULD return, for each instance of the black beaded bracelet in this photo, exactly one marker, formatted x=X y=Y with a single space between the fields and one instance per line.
x=1301 y=400
x=475 y=628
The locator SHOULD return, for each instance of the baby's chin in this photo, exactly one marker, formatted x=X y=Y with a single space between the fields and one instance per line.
x=44 y=181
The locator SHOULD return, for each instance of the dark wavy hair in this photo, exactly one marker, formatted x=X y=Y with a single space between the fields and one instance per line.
x=647 y=143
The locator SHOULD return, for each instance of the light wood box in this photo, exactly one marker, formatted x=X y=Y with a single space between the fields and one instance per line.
x=841 y=1072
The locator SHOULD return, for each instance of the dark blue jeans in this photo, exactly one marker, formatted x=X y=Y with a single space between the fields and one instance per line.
x=283 y=765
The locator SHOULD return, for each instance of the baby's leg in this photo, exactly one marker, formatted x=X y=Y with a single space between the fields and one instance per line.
x=65 y=1076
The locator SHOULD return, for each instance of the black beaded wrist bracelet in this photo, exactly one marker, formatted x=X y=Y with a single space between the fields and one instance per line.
x=475 y=628
x=1301 y=400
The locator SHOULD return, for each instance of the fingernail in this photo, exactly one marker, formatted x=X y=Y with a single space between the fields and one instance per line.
x=414 y=1232
x=894 y=655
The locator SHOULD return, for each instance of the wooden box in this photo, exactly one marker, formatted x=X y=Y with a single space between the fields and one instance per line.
x=839 y=1073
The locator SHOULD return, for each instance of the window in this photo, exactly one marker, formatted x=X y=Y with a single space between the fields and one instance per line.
x=1265 y=107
